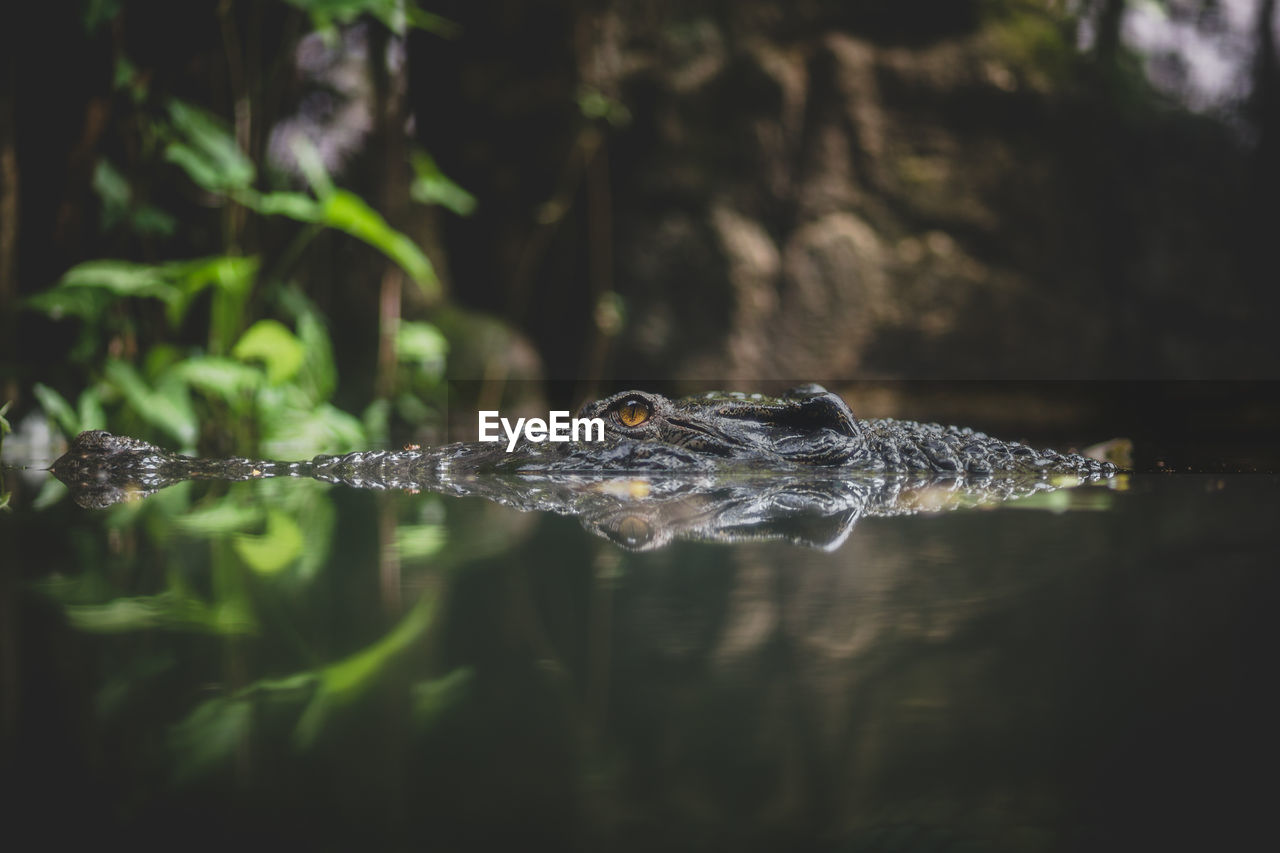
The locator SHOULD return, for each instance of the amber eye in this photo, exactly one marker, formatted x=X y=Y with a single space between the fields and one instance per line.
x=633 y=412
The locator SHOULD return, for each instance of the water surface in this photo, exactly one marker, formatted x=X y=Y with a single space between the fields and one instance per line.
x=297 y=663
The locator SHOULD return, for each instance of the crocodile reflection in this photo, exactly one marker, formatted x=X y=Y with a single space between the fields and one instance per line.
x=643 y=514
x=717 y=467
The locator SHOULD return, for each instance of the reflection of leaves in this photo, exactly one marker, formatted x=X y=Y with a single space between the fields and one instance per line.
x=419 y=541
x=171 y=610
x=344 y=681
x=220 y=518
x=433 y=698
x=210 y=735
x=274 y=549
x=1067 y=498
x=212 y=732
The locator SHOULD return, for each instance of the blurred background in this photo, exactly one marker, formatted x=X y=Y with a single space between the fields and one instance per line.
x=228 y=224
x=286 y=227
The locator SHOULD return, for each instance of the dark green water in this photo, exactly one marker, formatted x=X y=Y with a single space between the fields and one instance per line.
x=290 y=663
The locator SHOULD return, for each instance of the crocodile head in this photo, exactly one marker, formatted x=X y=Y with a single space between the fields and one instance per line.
x=807 y=425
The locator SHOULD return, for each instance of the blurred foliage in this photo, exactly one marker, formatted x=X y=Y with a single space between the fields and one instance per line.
x=250 y=564
x=594 y=104
x=271 y=390
x=397 y=15
x=430 y=186
x=227 y=349
x=5 y=429
x=216 y=729
x=1037 y=40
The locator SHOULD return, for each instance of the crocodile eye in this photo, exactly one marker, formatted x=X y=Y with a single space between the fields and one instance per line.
x=633 y=411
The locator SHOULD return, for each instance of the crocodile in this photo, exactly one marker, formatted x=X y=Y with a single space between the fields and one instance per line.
x=720 y=466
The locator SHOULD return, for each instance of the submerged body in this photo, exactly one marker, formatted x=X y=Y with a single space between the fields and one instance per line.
x=716 y=467
x=807 y=428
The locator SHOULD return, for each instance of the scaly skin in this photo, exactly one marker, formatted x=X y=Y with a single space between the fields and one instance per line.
x=808 y=434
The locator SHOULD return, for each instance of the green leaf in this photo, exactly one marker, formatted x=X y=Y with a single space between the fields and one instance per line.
x=125 y=78
x=347 y=212
x=57 y=408
x=59 y=302
x=321 y=371
x=84 y=289
x=198 y=168
x=430 y=186
x=148 y=219
x=220 y=377
x=207 y=151
x=431 y=22
x=420 y=343
x=166 y=407
x=5 y=429
x=276 y=548
x=113 y=189
x=292 y=433
x=122 y=278
x=594 y=104
x=232 y=275
x=89 y=409
x=376 y=421
x=273 y=344
x=97 y=13
x=297 y=206
x=229 y=272
x=312 y=166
